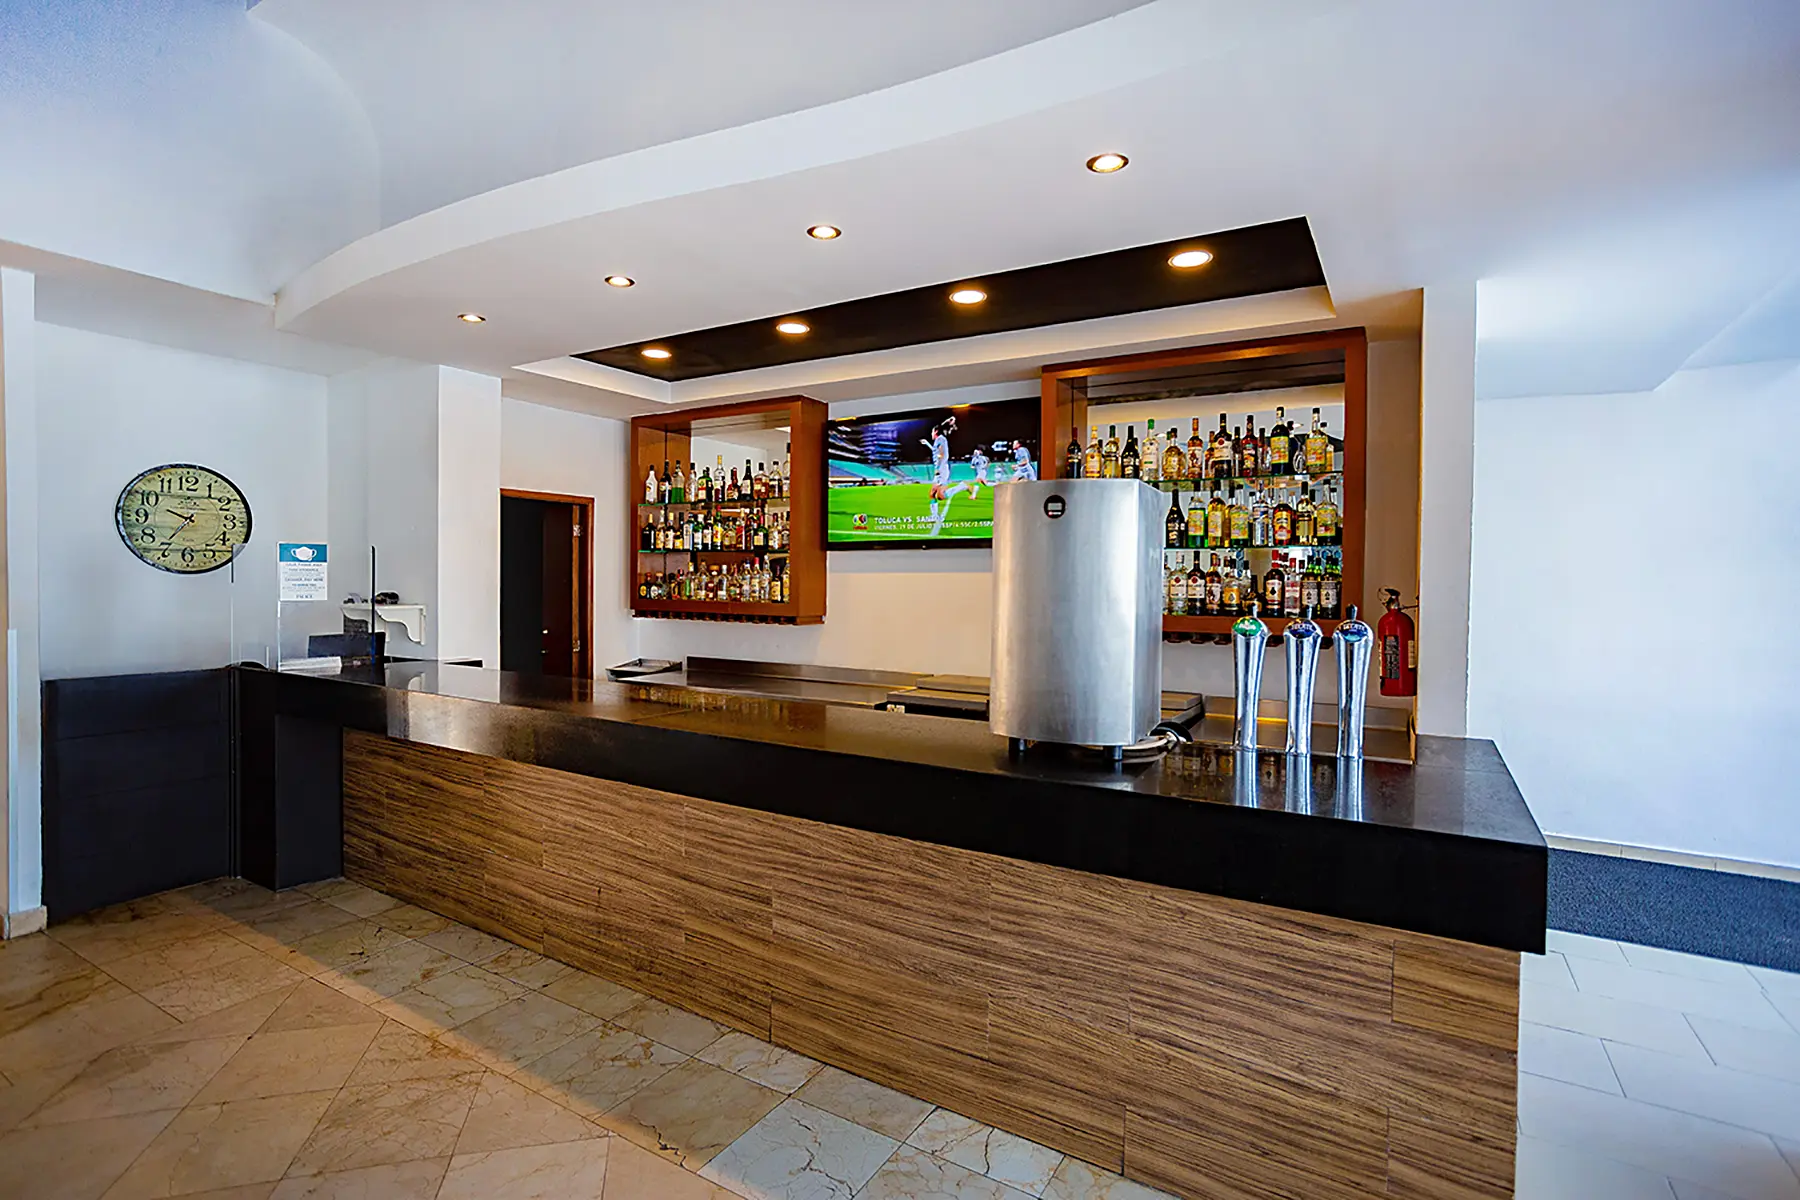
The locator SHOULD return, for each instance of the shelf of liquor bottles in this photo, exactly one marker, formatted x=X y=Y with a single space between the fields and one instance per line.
x=726 y=511
x=1261 y=447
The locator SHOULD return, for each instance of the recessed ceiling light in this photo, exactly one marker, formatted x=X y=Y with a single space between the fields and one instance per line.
x=967 y=295
x=794 y=327
x=1106 y=164
x=619 y=281
x=656 y=352
x=824 y=232
x=471 y=318
x=1190 y=258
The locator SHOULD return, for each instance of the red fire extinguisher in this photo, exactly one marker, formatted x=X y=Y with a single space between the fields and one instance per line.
x=1399 y=649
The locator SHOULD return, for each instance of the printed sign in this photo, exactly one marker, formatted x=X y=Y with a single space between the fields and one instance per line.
x=302 y=569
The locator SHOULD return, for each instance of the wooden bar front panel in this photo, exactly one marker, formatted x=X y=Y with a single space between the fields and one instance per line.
x=1210 y=1047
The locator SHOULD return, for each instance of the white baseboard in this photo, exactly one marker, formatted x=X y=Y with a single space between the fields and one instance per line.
x=19 y=924
x=1678 y=858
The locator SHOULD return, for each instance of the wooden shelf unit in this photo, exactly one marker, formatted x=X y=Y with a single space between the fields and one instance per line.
x=669 y=437
x=1230 y=369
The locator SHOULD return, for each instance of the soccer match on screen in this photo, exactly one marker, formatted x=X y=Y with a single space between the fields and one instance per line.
x=926 y=476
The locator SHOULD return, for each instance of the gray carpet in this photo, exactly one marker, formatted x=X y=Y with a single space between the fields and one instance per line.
x=1739 y=917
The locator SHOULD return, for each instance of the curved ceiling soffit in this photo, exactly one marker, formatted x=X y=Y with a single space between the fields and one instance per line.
x=1107 y=55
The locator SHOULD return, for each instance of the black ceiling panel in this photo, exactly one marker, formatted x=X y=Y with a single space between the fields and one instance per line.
x=1255 y=260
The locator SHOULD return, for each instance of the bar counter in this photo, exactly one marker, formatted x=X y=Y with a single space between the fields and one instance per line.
x=1211 y=972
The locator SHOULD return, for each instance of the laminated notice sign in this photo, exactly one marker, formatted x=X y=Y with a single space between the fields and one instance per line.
x=301 y=566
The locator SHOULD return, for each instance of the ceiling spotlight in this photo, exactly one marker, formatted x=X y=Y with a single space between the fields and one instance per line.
x=967 y=295
x=471 y=318
x=619 y=281
x=793 y=327
x=1190 y=258
x=1106 y=164
x=824 y=232
x=656 y=352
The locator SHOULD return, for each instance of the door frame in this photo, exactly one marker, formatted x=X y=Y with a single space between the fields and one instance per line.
x=584 y=570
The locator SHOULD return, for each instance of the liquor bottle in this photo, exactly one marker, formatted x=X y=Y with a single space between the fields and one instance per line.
x=759 y=537
x=650 y=489
x=1318 y=448
x=1305 y=528
x=1151 y=469
x=731 y=487
x=1109 y=454
x=1196 y=587
x=678 y=488
x=1215 y=590
x=1174 y=462
x=1131 y=459
x=1218 y=519
x=1282 y=522
x=1073 y=460
x=1278 y=449
x=1175 y=525
x=1174 y=588
x=1091 y=464
x=1196 y=455
x=1325 y=519
x=1272 y=586
x=1221 y=450
x=1259 y=519
x=1240 y=520
x=1309 y=587
x=1331 y=587
x=1231 y=591
x=719 y=481
x=1196 y=520
x=746 y=485
x=645 y=534
x=1290 y=590
x=1250 y=451
x=760 y=488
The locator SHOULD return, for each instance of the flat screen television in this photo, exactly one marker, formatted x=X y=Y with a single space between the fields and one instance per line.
x=927 y=477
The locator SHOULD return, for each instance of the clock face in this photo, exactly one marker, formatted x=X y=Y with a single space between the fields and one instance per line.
x=183 y=519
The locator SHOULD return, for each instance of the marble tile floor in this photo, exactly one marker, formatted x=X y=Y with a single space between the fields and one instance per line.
x=230 y=1043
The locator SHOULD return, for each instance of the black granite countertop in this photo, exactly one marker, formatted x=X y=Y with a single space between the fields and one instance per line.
x=1445 y=846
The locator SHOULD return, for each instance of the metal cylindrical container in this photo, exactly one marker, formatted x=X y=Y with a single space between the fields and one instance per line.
x=1355 y=646
x=1078 y=600
x=1347 y=792
x=1303 y=638
x=1249 y=640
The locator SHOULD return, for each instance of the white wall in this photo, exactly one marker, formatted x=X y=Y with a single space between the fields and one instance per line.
x=21 y=878
x=468 y=516
x=572 y=454
x=1446 y=486
x=110 y=408
x=1630 y=649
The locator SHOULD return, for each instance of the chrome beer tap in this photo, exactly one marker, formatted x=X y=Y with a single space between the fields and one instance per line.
x=1303 y=639
x=1249 y=639
x=1355 y=646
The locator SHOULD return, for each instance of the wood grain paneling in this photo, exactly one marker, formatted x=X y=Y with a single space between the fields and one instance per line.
x=1465 y=991
x=1211 y=1047
x=1195 y=1116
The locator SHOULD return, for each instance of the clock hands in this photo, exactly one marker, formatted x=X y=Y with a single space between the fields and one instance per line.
x=175 y=531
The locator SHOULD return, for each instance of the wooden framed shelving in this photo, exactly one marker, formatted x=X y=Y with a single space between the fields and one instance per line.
x=1327 y=370
x=766 y=431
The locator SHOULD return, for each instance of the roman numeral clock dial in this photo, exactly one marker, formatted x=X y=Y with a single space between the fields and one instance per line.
x=183 y=519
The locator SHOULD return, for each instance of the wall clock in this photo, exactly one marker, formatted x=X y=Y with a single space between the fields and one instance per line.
x=183 y=518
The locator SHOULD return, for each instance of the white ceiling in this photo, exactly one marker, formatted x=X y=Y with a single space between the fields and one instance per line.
x=1618 y=175
x=1551 y=148
x=466 y=96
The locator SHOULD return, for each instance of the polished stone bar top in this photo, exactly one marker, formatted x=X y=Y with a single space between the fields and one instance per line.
x=1446 y=846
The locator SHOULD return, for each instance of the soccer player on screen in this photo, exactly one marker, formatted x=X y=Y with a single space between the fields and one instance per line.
x=1022 y=468
x=941 y=487
x=978 y=461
